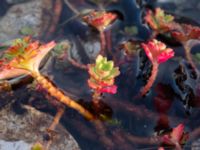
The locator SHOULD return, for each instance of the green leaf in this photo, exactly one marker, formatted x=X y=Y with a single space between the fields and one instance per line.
x=26 y=31
x=131 y=30
x=37 y=146
x=197 y=57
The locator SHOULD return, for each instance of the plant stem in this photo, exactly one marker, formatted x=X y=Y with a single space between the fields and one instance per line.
x=56 y=119
x=72 y=7
x=76 y=63
x=56 y=16
x=96 y=97
x=58 y=94
x=189 y=58
x=103 y=43
x=151 y=80
x=108 y=41
x=55 y=122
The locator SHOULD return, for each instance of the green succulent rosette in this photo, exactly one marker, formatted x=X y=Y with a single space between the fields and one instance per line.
x=159 y=21
x=102 y=75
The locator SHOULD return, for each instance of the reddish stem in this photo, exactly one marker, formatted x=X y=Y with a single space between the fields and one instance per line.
x=189 y=58
x=96 y=97
x=77 y=64
x=109 y=42
x=52 y=127
x=60 y=96
x=151 y=80
x=103 y=43
x=56 y=15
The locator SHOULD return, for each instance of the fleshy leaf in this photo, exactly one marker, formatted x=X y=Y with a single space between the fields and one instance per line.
x=23 y=57
x=100 y=19
x=185 y=32
x=177 y=137
x=157 y=51
x=158 y=20
x=102 y=75
x=130 y=47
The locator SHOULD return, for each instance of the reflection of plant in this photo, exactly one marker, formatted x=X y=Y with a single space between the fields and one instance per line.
x=176 y=138
x=25 y=56
x=102 y=75
x=158 y=20
x=157 y=53
x=100 y=20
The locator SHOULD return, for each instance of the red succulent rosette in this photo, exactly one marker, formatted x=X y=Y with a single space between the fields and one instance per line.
x=102 y=75
x=157 y=51
x=102 y=86
x=22 y=57
x=186 y=32
x=158 y=20
x=177 y=137
x=100 y=19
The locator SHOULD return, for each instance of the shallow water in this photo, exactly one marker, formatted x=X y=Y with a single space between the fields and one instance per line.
x=134 y=121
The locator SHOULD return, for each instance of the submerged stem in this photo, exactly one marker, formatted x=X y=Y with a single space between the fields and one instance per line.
x=55 y=122
x=58 y=94
x=151 y=80
x=96 y=97
x=103 y=43
x=189 y=57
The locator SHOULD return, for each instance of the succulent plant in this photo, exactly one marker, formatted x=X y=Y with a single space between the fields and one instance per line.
x=102 y=75
x=159 y=21
x=100 y=19
x=23 y=57
x=176 y=138
x=186 y=32
x=157 y=51
x=131 y=47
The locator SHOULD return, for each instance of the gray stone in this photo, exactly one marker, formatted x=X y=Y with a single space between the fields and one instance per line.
x=22 y=131
x=196 y=145
x=16 y=1
x=22 y=15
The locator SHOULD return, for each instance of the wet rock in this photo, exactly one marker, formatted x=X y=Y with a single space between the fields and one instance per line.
x=16 y=1
x=196 y=145
x=22 y=131
x=23 y=15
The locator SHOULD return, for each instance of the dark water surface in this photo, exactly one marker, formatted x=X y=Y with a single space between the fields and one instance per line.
x=134 y=121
